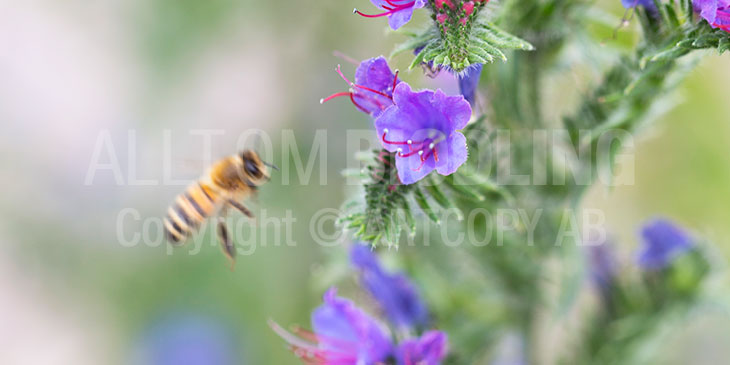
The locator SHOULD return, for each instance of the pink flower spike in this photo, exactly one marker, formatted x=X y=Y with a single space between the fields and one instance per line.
x=441 y=18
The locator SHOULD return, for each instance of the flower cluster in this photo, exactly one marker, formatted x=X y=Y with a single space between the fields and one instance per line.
x=345 y=334
x=455 y=13
x=421 y=127
x=662 y=242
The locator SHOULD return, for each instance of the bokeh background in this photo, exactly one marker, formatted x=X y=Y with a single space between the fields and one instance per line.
x=138 y=71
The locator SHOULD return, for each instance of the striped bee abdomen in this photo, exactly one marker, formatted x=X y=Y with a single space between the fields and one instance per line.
x=188 y=211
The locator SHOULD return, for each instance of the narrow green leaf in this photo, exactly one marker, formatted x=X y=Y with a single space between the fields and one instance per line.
x=422 y=202
x=723 y=44
x=414 y=42
x=438 y=195
x=488 y=48
x=465 y=190
x=502 y=39
x=408 y=216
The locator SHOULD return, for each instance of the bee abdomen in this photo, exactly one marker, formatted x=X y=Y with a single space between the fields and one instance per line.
x=188 y=211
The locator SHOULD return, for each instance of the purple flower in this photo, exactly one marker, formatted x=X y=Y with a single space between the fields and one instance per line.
x=343 y=334
x=469 y=82
x=372 y=91
x=188 y=339
x=430 y=349
x=399 y=12
x=396 y=294
x=422 y=128
x=648 y=4
x=716 y=12
x=662 y=242
x=603 y=265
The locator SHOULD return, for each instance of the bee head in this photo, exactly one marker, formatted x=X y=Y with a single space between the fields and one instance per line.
x=255 y=170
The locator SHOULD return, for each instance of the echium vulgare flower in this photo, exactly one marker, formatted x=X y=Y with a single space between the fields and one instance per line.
x=372 y=91
x=603 y=264
x=662 y=242
x=422 y=129
x=399 y=12
x=429 y=349
x=469 y=82
x=648 y=4
x=343 y=334
x=346 y=335
x=716 y=12
x=396 y=295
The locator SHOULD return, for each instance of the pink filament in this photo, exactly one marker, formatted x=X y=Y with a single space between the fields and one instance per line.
x=395 y=80
x=424 y=156
x=353 y=94
x=396 y=7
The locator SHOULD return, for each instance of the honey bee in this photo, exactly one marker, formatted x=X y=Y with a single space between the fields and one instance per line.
x=226 y=184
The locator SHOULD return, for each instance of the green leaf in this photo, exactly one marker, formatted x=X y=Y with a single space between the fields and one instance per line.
x=459 y=47
x=414 y=42
x=502 y=39
x=423 y=204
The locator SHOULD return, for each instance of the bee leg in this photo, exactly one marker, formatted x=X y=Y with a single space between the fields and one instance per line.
x=226 y=244
x=241 y=208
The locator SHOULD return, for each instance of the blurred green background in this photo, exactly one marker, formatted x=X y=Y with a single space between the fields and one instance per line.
x=73 y=71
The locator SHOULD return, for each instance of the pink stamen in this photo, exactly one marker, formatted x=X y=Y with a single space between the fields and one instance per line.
x=393 y=2
x=389 y=11
x=417 y=143
x=352 y=98
x=417 y=147
x=395 y=80
x=391 y=142
x=409 y=154
x=364 y=96
x=345 y=57
x=372 y=100
x=424 y=157
x=311 y=336
x=339 y=71
x=335 y=95
x=310 y=353
x=375 y=91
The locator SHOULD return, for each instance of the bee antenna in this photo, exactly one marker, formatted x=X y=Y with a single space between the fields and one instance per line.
x=269 y=164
